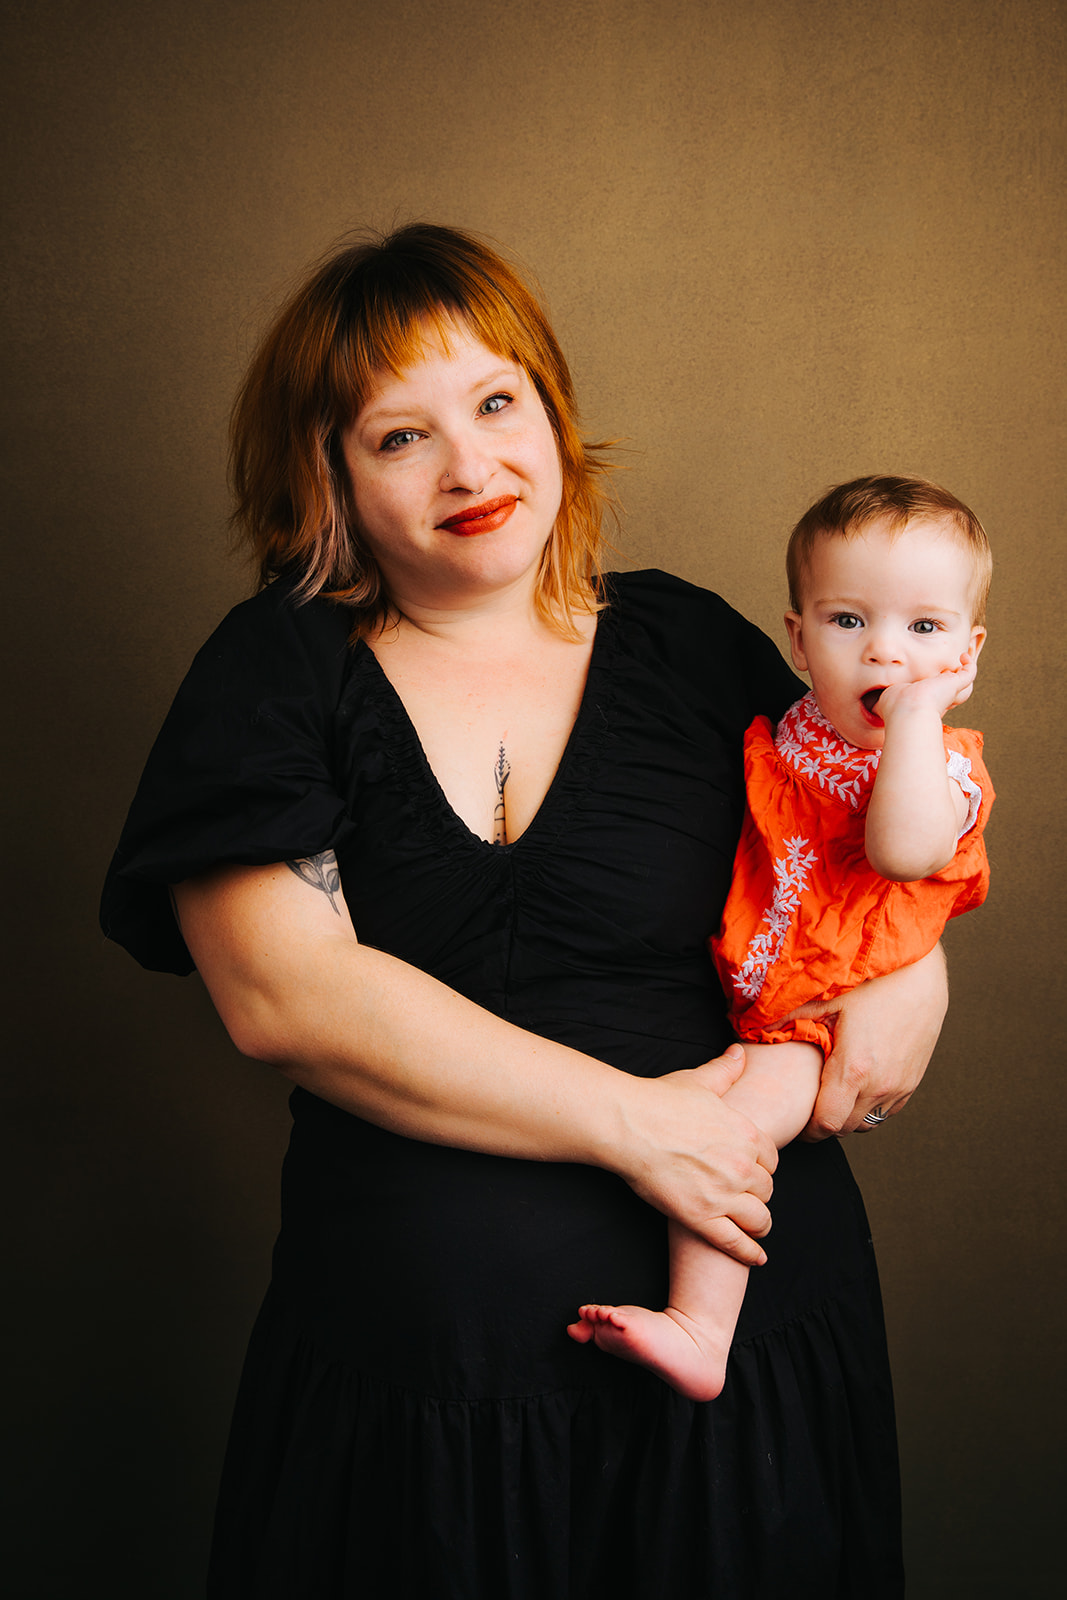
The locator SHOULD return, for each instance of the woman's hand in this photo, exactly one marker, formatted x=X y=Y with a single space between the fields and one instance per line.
x=698 y=1161
x=884 y=1035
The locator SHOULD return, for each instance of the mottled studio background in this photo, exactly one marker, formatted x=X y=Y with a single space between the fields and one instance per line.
x=784 y=242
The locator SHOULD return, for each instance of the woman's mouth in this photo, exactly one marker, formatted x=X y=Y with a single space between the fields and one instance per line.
x=487 y=517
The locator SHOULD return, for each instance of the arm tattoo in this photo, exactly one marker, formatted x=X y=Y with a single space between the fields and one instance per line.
x=321 y=872
x=501 y=772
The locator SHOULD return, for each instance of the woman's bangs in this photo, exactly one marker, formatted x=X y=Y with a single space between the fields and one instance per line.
x=394 y=332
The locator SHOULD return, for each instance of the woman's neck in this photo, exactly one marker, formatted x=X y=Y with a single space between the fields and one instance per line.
x=475 y=624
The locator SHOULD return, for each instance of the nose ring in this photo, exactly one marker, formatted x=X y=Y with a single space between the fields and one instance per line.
x=448 y=475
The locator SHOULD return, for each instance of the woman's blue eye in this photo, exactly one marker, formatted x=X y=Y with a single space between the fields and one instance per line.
x=847 y=619
x=494 y=404
x=924 y=625
x=396 y=441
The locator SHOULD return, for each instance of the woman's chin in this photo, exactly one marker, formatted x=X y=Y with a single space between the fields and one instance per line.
x=474 y=573
x=489 y=561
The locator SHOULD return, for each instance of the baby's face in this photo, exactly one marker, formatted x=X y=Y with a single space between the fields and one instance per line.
x=880 y=610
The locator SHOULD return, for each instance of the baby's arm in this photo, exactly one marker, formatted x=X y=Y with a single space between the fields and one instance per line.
x=916 y=811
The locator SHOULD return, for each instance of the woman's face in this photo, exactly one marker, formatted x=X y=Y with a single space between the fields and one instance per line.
x=455 y=474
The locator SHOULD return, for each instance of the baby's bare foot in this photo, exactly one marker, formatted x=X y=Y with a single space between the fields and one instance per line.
x=692 y=1359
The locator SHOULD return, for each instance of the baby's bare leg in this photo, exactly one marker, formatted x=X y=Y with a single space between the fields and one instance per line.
x=778 y=1087
x=687 y=1343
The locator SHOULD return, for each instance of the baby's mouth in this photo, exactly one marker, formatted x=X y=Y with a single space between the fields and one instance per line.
x=871 y=699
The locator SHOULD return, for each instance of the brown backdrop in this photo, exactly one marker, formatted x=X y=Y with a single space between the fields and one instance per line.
x=784 y=242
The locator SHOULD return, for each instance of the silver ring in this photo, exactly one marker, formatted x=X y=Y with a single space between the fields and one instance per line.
x=875 y=1117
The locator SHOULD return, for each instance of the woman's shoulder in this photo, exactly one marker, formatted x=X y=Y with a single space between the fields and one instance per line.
x=274 y=636
x=699 y=635
x=682 y=612
x=660 y=596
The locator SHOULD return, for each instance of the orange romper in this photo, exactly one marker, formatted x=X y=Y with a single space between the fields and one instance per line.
x=807 y=917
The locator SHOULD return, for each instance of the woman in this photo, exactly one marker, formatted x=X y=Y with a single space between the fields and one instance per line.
x=448 y=819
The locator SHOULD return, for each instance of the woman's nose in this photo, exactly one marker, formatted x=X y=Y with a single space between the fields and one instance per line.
x=467 y=466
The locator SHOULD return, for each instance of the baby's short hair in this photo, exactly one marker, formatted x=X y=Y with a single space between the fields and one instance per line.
x=847 y=510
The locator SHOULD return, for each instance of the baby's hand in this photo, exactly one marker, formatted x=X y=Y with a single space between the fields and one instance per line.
x=950 y=687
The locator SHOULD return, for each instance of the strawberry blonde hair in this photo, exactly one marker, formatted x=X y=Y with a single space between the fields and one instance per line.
x=370 y=309
x=847 y=510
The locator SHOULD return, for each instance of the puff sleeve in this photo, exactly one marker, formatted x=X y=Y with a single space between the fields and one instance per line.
x=243 y=770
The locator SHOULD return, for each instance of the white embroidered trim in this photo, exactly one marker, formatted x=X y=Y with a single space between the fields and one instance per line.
x=812 y=746
x=959 y=768
x=790 y=878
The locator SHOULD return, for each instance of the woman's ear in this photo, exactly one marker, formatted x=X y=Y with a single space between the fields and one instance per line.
x=796 y=641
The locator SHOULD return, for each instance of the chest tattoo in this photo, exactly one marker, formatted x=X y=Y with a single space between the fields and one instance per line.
x=501 y=773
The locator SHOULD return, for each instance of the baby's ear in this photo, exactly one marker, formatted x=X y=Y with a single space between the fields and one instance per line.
x=795 y=630
x=978 y=639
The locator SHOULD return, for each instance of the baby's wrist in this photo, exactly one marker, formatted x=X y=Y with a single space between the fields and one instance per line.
x=906 y=706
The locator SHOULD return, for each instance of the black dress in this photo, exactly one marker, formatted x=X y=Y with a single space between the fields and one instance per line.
x=413 y=1419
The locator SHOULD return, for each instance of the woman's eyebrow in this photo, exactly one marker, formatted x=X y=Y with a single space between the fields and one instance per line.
x=375 y=411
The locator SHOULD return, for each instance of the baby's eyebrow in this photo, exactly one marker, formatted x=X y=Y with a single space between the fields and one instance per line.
x=839 y=603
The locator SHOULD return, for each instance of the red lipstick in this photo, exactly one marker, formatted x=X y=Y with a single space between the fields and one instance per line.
x=487 y=517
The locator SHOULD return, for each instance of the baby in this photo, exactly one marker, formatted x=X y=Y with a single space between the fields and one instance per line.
x=863 y=836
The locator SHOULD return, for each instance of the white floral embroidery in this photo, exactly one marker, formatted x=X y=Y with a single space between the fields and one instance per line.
x=815 y=750
x=790 y=878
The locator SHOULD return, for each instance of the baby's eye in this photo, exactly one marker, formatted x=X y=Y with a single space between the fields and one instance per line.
x=924 y=625
x=846 y=619
x=397 y=440
x=494 y=404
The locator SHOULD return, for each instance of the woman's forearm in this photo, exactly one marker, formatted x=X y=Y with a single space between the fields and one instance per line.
x=379 y=1038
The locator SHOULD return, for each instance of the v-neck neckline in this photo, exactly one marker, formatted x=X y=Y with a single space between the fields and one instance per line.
x=580 y=742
